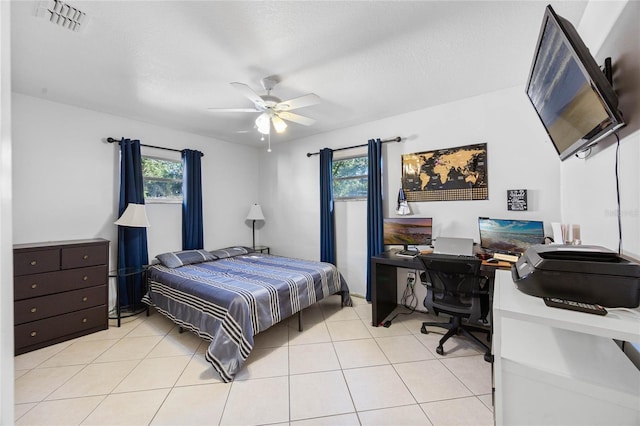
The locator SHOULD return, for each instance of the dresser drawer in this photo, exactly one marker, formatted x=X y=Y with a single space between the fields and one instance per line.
x=27 y=286
x=36 y=332
x=79 y=257
x=55 y=304
x=36 y=261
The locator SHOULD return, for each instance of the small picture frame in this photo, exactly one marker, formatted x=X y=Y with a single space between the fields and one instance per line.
x=517 y=199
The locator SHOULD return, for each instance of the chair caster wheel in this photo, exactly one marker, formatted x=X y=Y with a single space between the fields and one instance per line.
x=440 y=350
x=488 y=357
x=423 y=329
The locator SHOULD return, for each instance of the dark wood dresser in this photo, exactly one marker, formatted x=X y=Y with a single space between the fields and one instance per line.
x=60 y=291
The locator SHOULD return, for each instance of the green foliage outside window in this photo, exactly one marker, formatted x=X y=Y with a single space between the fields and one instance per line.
x=350 y=178
x=162 y=179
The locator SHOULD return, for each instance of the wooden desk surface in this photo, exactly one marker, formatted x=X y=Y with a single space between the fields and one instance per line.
x=501 y=264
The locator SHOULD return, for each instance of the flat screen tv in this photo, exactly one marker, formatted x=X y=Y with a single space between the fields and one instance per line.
x=508 y=235
x=407 y=232
x=571 y=94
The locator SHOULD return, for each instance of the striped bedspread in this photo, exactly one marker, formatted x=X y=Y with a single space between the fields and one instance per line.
x=229 y=301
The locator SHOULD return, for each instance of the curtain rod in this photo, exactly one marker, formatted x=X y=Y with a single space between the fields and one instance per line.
x=396 y=139
x=113 y=140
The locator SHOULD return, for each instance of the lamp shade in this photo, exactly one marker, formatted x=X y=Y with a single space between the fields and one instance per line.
x=278 y=124
x=255 y=213
x=135 y=216
x=263 y=123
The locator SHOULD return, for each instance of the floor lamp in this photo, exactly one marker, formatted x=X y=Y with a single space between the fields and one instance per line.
x=255 y=213
x=134 y=216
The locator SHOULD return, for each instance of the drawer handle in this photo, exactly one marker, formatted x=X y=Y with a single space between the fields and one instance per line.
x=84 y=299
x=34 y=285
x=85 y=257
x=85 y=278
x=34 y=263
x=84 y=320
x=33 y=310
x=33 y=334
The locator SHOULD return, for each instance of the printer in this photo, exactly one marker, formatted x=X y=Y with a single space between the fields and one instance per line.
x=587 y=274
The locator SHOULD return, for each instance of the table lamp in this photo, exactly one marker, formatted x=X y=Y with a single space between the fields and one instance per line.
x=255 y=213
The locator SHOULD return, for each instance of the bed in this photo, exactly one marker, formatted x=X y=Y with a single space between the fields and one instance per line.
x=228 y=296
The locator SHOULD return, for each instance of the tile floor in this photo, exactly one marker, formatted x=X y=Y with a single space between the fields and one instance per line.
x=338 y=371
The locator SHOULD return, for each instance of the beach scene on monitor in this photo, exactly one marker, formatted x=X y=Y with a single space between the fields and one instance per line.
x=405 y=231
x=510 y=236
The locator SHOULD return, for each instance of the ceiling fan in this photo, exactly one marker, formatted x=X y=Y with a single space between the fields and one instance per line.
x=273 y=110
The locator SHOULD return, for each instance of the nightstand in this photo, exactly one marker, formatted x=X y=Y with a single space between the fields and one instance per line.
x=124 y=273
x=263 y=249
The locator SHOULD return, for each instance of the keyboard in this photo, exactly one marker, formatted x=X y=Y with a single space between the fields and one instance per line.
x=407 y=253
x=451 y=256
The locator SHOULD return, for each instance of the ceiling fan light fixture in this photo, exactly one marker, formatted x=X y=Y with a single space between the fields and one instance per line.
x=278 y=124
x=263 y=124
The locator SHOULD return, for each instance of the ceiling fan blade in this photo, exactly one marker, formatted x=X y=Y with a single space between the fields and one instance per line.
x=233 y=109
x=299 y=102
x=249 y=93
x=296 y=118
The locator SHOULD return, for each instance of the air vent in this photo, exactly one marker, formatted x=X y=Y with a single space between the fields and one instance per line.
x=61 y=14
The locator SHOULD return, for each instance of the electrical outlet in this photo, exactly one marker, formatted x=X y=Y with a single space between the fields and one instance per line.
x=411 y=278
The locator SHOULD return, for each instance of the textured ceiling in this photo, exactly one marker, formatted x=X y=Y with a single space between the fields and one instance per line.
x=166 y=62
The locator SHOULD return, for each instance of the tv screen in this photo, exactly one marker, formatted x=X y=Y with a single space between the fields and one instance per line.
x=571 y=95
x=408 y=231
x=509 y=236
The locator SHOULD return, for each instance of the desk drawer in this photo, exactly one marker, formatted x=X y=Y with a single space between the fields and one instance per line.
x=55 y=304
x=79 y=257
x=36 y=332
x=36 y=285
x=35 y=262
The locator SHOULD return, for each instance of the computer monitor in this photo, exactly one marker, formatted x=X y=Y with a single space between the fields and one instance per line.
x=407 y=232
x=508 y=235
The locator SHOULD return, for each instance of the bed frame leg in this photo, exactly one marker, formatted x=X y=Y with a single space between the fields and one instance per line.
x=299 y=320
x=180 y=330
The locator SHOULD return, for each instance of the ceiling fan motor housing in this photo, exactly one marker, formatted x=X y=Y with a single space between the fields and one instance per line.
x=270 y=82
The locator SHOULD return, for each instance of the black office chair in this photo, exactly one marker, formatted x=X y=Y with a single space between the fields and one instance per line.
x=455 y=287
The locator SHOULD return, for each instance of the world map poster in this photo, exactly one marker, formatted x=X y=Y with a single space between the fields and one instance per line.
x=449 y=174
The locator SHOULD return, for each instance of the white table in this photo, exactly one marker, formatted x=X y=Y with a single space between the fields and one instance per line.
x=558 y=367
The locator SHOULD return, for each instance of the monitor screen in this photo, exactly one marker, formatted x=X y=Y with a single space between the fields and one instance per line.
x=508 y=235
x=408 y=231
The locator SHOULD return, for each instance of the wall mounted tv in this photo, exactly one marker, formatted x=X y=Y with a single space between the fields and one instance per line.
x=408 y=231
x=571 y=94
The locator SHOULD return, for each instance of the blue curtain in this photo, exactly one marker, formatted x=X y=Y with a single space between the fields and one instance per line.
x=327 y=221
x=375 y=239
x=132 y=242
x=192 y=223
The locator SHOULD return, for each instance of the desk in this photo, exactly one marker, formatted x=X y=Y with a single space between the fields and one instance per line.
x=554 y=366
x=384 y=281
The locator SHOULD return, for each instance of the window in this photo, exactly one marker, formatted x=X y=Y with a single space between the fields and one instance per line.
x=350 y=178
x=162 y=180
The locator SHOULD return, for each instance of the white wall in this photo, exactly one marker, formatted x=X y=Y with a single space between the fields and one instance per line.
x=6 y=250
x=66 y=178
x=589 y=186
x=519 y=156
